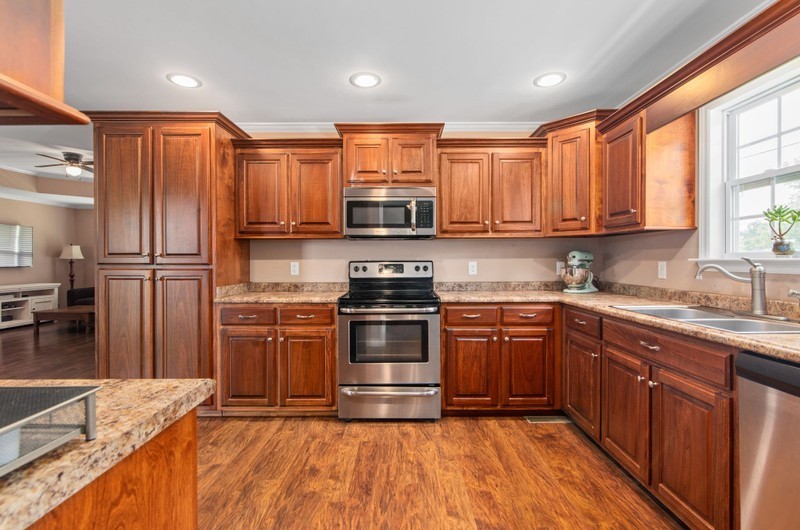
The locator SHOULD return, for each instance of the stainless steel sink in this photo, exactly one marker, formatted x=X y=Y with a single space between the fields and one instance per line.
x=674 y=312
x=747 y=326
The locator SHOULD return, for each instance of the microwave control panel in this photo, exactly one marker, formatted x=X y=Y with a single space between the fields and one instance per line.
x=425 y=214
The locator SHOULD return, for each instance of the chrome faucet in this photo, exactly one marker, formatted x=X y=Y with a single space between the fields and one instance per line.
x=757 y=281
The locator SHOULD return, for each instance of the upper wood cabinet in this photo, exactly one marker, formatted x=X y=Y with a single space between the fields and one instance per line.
x=649 y=179
x=574 y=184
x=288 y=189
x=389 y=154
x=491 y=188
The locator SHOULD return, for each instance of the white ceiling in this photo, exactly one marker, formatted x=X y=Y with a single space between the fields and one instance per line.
x=288 y=61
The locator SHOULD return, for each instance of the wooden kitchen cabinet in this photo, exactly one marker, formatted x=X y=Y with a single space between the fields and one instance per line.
x=649 y=178
x=274 y=366
x=492 y=362
x=574 y=180
x=667 y=408
x=393 y=154
x=581 y=386
x=286 y=191
x=490 y=188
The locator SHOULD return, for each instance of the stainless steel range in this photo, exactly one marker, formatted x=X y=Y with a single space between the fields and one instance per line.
x=389 y=358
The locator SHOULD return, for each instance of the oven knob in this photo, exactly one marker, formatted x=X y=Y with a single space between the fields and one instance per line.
x=364 y=268
x=425 y=268
x=416 y=268
x=355 y=268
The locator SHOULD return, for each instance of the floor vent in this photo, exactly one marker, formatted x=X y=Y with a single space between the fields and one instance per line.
x=548 y=419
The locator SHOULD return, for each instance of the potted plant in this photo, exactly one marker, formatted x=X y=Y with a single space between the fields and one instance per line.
x=781 y=219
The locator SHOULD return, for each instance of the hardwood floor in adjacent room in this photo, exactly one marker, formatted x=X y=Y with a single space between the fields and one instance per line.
x=304 y=473
x=61 y=351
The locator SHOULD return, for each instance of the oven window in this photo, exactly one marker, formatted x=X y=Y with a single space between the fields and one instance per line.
x=378 y=214
x=388 y=342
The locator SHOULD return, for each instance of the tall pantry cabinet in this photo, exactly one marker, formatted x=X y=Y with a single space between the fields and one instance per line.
x=164 y=191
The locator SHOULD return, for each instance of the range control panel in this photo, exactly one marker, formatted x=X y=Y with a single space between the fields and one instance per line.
x=391 y=269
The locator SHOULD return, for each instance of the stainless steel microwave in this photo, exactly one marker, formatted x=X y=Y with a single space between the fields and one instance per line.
x=390 y=212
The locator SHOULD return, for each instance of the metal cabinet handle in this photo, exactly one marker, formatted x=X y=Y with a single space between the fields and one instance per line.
x=304 y=317
x=247 y=317
x=580 y=322
x=652 y=384
x=159 y=278
x=146 y=255
x=395 y=172
x=497 y=222
x=650 y=347
x=281 y=339
x=632 y=210
x=269 y=339
x=640 y=378
x=283 y=223
x=384 y=171
x=494 y=339
x=390 y=393
x=506 y=339
x=595 y=356
x=158 y=254
x=486 y=222
x=583 y=218
x=470 y=316
x=528 y=315
x=147 y=279
x=294 y=223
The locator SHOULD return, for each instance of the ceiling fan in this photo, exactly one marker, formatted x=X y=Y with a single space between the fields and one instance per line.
x=73 y=163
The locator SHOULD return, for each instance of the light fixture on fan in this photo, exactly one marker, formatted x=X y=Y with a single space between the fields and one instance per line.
x=73 y=163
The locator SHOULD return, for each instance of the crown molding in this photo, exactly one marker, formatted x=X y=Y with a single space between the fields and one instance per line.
x=491 y=142
x=288 y=143
x=390 y=128
x=491 y=126
x=570 y=121
x=155 y=116
x=288 y=127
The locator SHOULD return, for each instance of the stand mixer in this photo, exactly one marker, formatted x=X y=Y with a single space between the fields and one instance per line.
x=577 y=275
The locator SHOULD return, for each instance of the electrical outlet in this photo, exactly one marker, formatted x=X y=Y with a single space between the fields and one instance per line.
x=294 y=268
x=473 y=268
x=662 y=270
x=560 y=267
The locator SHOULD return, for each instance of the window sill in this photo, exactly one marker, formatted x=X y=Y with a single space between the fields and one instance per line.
x=772 y=265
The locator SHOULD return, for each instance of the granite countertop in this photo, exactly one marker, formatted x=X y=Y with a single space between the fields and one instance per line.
x=785 y=347
x=279 y=297
x=129 y=414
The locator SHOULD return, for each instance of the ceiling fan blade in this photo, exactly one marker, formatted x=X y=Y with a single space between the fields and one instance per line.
x=54 y=158
x=90 y=170
x=89 y=163
x=51 y=165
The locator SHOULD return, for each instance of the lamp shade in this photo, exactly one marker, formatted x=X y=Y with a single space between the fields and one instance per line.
x=71 y=252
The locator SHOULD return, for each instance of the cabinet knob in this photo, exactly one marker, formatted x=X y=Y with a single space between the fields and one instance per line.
x=595 y=356
x=384 y=171
x=506 y=339
x=158 y=254
x=494 y=339
x=147 y=279
x=632 y=210
x=281 y=339
x=496 y=222
x=294 y=223
x=652 y=384
x=269 y=339
x=395 y=172
x=486 y=222
x=640 y=378
x=146 y=255
x=283 y=223
x=583 y=218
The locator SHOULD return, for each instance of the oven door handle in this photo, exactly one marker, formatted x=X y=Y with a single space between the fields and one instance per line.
x=386 y=310
x=388 y=393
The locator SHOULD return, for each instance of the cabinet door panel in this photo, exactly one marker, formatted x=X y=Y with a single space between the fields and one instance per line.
x=123 y=172
x=249 y=371
x=626 y=416
x=570 y=185
x=316 y=193
x=464 y=192
x=691 y=449
x=623 y=167
x=183 y=324
x=262 y=182
x=517 y=192
x=182 y=203
x=582 y=382
x=527 y=373
x=412 y=161
x=125 y=324
x=306 y=367
x=472 y=367
x=367 y=160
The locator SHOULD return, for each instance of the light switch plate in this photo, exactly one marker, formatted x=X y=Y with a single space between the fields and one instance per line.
x=473 y=268
x=662 y=270
x=294 y=268
x=560 y=267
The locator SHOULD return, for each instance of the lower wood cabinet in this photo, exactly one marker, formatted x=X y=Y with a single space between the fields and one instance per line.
x=498 y=365
x=669 y=423
x=581 y=387
x=268 y=362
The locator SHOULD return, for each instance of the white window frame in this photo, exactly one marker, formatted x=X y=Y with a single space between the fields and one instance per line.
x=715 y=232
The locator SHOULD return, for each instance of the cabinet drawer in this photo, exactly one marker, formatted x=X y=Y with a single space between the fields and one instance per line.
x=584 y=322
x=296 y=315
x=41 y=305
x=695 y=358
x=470 y=315
x=527 y=314
x=247 y=315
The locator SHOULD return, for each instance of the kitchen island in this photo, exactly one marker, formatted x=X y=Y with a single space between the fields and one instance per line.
x=140 y=471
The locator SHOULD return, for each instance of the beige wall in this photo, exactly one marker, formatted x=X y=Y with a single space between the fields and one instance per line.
x=498 y=260
x=53 y=227
x=634 y=259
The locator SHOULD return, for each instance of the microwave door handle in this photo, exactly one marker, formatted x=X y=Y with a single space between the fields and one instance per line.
x=413 y=215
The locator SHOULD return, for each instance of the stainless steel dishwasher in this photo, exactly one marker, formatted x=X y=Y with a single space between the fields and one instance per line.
x=769 y=441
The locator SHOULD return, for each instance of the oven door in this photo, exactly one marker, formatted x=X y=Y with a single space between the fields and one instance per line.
x=389 y=349
x=378 y=217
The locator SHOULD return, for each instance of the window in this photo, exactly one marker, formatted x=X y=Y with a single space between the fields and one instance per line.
x=749 y=162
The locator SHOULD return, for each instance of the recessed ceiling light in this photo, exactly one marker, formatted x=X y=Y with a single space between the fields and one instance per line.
x=184 y=80
x=365 y=80
x=551 y=79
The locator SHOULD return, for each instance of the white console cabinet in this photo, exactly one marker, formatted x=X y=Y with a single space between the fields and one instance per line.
x=17 y=302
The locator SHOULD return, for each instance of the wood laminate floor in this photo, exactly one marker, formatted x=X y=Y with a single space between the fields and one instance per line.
x=61 y=351
x=305 y=473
